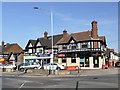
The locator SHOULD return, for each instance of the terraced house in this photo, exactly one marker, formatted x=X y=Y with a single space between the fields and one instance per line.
x=85 y=50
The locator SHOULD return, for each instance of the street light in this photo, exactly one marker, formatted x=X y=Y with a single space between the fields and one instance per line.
x=51 y=25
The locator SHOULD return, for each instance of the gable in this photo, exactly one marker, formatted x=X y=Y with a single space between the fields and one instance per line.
x=72 y=40
x=30 y=45
x=12 y=57
x=38 y=44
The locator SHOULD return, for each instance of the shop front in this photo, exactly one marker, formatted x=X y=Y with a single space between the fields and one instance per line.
x=81 y=61
x=41 y=59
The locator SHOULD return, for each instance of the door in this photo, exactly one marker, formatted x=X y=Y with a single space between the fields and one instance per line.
x=96 y=62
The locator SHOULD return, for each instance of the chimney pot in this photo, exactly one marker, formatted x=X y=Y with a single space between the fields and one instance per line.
x=94 y=29
x=65 y=33
x=45 y=35
x=2 y=44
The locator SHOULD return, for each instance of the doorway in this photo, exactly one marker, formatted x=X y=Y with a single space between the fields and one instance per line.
x=96 y=62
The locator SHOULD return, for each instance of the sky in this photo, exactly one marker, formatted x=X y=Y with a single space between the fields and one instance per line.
x=20 y=22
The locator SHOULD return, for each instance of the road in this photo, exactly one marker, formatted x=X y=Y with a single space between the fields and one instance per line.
x=83 y=80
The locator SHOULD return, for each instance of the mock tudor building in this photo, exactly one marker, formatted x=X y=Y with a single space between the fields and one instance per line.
x=82 y=49
x=40 y=50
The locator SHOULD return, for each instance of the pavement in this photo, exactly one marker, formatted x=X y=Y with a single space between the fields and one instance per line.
x=81 y=73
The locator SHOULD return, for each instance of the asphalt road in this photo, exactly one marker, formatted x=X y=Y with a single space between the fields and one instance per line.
x=76 y=81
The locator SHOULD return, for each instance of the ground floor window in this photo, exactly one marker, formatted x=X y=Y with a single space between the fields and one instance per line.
x=84 y=61
x=63 y=60
x=30 y=60
x=96 y=61
x=73 y=60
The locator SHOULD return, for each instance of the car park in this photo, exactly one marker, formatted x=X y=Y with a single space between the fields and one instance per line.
x=24 y=66
x=53 y=66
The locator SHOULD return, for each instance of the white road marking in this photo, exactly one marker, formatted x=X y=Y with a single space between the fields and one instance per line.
x=22 y=84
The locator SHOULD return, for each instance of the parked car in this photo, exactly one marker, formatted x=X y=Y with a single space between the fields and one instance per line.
x=105 y=66
x=53 y=66
x=24 y=66
x=117 y=64
x=12 y=66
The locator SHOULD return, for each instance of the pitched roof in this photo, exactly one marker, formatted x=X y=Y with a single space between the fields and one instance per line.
x=8 y=48
x=48 y=42
x=79 y=36
x=32 y=42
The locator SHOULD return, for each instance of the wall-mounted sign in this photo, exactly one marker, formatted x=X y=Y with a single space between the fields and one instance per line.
x=12 y=57
x=43 y=55
x=61 y=55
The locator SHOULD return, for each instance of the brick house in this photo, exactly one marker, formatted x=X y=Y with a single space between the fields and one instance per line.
x=11 y=52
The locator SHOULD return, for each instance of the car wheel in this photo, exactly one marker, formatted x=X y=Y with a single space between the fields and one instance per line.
x=22 y=69
x=35 y=67
x=59 y=68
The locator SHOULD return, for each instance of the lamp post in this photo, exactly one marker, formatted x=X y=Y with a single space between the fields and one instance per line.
x=51 y=25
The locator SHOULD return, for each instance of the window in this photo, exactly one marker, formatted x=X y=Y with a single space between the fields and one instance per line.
x=73 y=46
x=84 y=46
x=82 y=60
x=89 y=45
x=63 y=60
x=30 y=50
x=73 y=60
x=38 y=50
x=64 y=47
x=86 y=61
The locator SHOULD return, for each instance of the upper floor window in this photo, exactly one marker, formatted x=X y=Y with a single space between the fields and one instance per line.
x=64 y=46
x=30 y=50
x=73 y=46
x=84 y=45
x=38 y=50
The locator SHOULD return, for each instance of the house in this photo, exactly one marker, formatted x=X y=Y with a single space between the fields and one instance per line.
x=82 y=49
x=40 y=50
x=11 y=53
x=113 y=58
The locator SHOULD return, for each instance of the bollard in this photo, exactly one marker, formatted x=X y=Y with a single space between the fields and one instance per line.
x=26 y=70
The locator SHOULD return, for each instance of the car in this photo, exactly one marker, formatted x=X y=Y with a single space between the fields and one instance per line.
x=105 y=66
x=53 y=66
x=24 y=66
x=117 y=64
x=8 y=66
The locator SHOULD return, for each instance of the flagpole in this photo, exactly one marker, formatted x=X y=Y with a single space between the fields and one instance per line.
x=52 y=33
x=52 y=38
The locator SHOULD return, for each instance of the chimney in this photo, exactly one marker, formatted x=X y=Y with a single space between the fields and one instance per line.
x=45 y=35
x=2 y=44
x=94 y=30
x=65 y=33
